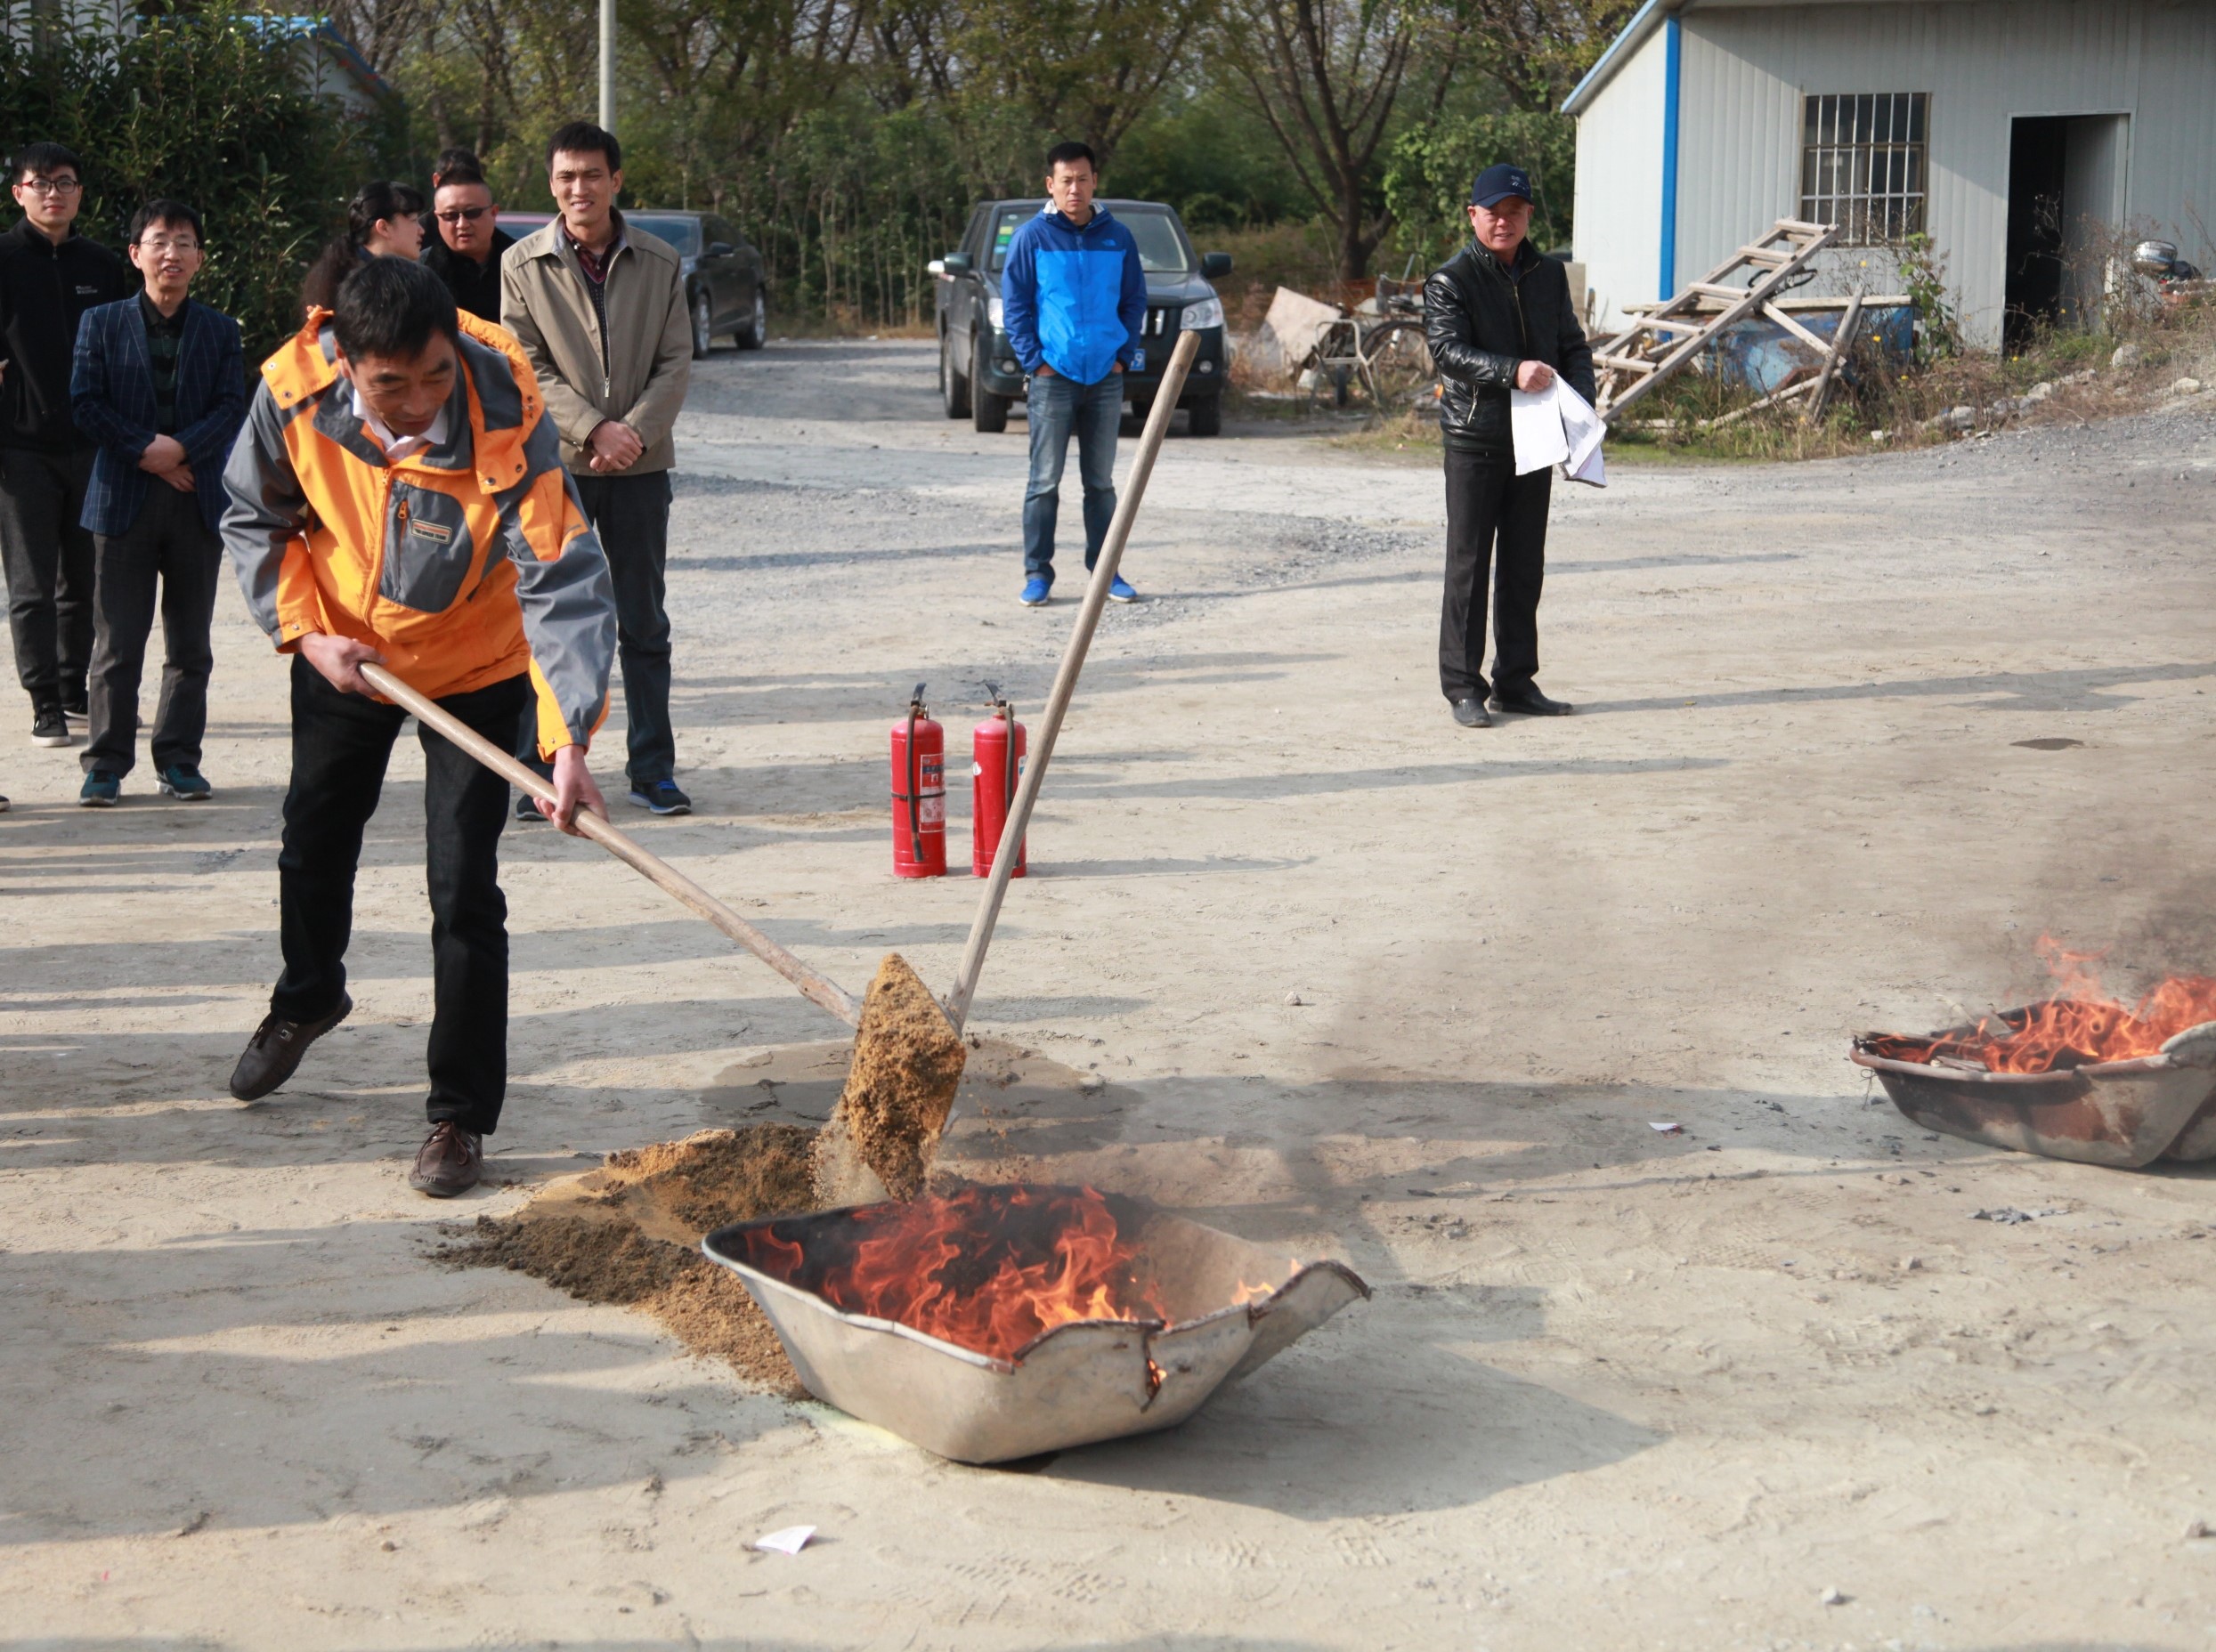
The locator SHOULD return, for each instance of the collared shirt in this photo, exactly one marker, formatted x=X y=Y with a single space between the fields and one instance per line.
x=164 y=338
x=594 y=266
x=397 y=448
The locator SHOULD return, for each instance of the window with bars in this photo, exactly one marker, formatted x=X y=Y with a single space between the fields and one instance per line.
x=1862 y=163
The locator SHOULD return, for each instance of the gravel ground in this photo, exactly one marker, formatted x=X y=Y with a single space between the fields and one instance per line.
x=1616 y=1388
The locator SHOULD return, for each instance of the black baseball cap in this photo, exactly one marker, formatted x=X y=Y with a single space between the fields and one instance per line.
x=1496 y=184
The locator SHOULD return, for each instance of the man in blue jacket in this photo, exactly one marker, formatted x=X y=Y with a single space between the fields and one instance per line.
x=159 y=383
x=1073 y=299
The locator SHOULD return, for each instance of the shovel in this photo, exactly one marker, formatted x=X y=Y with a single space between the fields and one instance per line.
x=889 y=1120
x=814 y=986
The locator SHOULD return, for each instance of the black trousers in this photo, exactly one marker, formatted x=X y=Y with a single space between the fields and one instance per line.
x=170 y=546
x=1487 y=502
x=340 y=746
x=631 y=515
x=49 y=563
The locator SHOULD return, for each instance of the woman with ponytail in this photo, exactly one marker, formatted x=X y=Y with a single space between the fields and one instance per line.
x=385 y=219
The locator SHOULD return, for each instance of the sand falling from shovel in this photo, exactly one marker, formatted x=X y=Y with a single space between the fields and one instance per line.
x=628 y=1234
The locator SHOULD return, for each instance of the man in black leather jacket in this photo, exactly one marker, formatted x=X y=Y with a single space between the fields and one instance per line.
x=1498 y=316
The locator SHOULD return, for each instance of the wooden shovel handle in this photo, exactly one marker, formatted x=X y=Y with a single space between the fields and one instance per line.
x=816 y=987
x=1065 y=677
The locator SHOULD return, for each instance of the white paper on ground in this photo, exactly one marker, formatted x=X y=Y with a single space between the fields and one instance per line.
x=789 y=1540
x=1557 y=426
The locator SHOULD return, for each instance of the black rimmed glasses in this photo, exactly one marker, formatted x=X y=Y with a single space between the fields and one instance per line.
x=52 y=186
x=458 y=214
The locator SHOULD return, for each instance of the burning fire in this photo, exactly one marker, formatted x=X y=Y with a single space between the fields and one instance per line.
x=2077 y=1027
x=986 y=1269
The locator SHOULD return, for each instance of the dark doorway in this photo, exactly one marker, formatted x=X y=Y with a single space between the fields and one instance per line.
x=2039 y=150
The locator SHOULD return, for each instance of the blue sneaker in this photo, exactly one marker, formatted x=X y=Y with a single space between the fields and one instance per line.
x=1035 y=590
x=187 y=785
x=1120 y=591
x=662 y=797
x=100 y=789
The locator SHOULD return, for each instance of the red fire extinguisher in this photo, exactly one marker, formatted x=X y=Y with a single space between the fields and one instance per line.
x=918 y=793
x=997 y=745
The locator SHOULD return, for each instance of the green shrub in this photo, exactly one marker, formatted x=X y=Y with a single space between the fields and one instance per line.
x=208 y=106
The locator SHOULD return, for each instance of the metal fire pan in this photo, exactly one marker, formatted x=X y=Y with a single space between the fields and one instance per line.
x=1088 y=1380
x=2119 y=1114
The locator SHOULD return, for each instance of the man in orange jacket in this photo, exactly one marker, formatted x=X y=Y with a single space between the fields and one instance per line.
x=398 y=497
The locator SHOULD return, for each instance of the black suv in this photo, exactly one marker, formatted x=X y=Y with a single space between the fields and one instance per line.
x=727 y=285
x=978 y=375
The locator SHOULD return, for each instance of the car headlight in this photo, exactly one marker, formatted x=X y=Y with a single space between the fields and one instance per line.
x=1208 y=313
x=993 y=309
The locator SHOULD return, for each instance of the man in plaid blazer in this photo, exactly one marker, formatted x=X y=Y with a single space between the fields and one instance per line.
x=159 y=383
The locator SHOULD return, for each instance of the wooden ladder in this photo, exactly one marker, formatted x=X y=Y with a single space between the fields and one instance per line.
x=1633 y=362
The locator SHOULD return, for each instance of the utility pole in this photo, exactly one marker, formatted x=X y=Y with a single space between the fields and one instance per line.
x=608 y=65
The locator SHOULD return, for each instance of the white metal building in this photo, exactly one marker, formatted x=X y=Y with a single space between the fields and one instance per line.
x=2023 y=135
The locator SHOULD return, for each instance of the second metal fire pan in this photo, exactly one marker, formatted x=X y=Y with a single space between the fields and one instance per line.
x=1078 y=1383
x=2119 y=1114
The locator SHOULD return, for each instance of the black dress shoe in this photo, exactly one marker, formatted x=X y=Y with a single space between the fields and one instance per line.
x=449 y=1162
x=275 y=1049
x=1471 y=713
x=1531 y=703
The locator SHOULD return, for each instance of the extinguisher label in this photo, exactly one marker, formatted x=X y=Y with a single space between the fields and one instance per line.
x=932 y=810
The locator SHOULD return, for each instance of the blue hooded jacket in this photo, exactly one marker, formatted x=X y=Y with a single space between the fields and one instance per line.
x=1075 y=298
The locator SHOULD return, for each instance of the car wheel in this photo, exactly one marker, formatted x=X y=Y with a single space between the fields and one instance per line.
x=702 y=319
x=988 y=413
x=755 y=334
x=954 y=390
x=1205 y=418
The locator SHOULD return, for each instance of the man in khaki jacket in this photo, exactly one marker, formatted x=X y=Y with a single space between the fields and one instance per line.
x=601 y=316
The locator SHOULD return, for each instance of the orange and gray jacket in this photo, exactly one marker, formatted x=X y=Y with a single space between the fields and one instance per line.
x=465 y=565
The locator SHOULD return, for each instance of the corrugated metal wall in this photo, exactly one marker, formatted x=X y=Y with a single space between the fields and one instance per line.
x=1745 y=71
x=1619 y=183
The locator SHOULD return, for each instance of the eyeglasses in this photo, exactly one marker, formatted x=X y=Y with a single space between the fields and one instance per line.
x=51 y=186
x=455 y=214
x=159 y=245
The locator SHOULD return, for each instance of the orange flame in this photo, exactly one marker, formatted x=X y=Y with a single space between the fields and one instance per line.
x=986 y=1269
x=2077 y=1027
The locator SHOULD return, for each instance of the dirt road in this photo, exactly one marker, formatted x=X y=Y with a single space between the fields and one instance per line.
x=1617 y=1387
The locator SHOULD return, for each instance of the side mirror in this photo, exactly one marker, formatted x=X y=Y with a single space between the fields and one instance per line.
x=1216 y=266
x=957 y=264
x=719 y=249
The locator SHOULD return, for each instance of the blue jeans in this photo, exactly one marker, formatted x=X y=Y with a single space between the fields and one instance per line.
x=1057 y=408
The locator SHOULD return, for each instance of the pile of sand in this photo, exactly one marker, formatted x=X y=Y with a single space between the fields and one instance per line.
x=629 y=1233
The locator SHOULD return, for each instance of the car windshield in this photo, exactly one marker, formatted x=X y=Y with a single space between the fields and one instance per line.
x=1161 y=248
x=682 y=233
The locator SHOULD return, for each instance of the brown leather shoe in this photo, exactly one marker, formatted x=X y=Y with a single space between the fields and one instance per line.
x=275 y=1051
x=449 y=1162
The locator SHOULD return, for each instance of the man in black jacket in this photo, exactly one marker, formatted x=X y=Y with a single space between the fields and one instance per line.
x=50 y=276
x=467 y=255
x=1498 y=317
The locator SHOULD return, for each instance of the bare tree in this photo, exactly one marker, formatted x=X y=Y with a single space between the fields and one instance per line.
x=1327 y=77
x=1083 y=69
x=1537 y=50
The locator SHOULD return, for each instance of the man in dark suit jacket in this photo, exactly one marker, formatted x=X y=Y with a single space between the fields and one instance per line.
x=160 y=383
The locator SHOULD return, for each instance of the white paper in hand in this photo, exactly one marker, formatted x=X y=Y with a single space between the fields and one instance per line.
x=1583 y=429
x=1535 y=424
x=1557 y=426
x=791 y=1540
